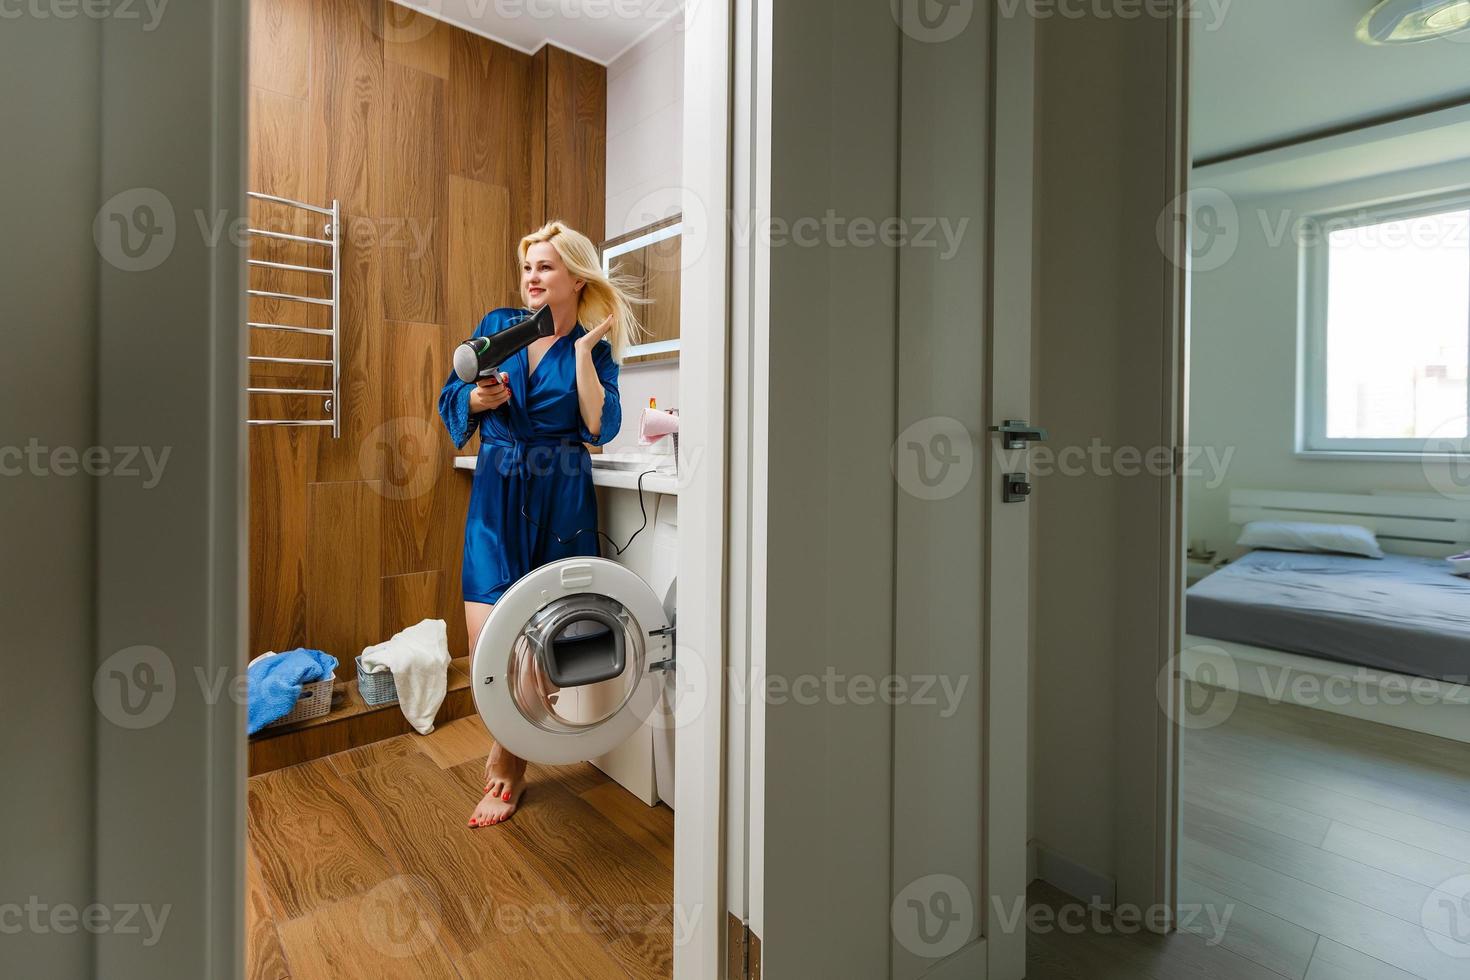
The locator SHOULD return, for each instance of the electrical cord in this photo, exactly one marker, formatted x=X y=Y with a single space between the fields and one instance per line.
x=616 y=550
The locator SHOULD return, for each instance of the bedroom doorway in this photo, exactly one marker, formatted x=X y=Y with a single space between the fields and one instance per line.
x=1322 y=769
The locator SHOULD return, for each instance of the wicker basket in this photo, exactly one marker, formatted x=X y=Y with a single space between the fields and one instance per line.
x=315 y=701
x=376 y=688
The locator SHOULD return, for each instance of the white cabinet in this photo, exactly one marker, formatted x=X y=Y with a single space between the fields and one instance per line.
x=644 y=764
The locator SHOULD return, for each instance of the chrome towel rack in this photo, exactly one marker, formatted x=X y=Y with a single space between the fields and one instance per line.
x=331 y=239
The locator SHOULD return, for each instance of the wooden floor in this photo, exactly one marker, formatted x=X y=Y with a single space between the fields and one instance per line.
x=360 y=865
x=1324 y=837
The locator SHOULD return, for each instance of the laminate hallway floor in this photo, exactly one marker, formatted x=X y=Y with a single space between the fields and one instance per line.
x=1329 y=841
x=361 y=865
x=1338 y=841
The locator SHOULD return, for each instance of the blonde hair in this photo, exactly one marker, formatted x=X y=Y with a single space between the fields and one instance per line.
x=602 y=294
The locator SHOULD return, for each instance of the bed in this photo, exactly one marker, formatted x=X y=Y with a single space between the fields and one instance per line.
x=1390 y=635
x=1400 y=613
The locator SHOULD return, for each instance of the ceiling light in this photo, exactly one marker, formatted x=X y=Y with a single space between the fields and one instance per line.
x=1407 y=21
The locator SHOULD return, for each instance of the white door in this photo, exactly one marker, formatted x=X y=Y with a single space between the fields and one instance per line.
x=568 y=664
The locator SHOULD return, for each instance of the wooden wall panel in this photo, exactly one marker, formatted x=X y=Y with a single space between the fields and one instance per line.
x=278 y=52
x=401 y=118
x=528 y=201
x=409 y=599
x=576 y=142
x=482 y=260
x=412 y=449
x=486 y=85
x=412 y=192
x=346 y=100
x=277 y=540
x=416 y=40
x=343 y=559
x=497 y=123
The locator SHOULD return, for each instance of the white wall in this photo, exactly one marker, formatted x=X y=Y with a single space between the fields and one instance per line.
x=645 y=106
x=637 y=383
x=1243 y=338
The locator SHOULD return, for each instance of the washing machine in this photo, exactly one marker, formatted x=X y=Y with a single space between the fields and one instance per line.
x=571 y=661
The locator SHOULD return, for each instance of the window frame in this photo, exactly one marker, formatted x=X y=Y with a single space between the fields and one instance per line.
x=1315 y=255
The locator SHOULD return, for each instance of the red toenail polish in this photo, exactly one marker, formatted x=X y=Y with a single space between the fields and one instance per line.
x=506 y=797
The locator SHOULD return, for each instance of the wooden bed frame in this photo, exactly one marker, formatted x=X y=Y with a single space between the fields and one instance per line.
x=1427 y=525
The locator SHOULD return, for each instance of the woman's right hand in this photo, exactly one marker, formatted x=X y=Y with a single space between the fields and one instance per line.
x=489 y=394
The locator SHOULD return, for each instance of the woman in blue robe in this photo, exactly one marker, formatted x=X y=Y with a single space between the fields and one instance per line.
x=532 y=500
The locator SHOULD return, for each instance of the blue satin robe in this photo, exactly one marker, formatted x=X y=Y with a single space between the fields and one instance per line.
x=532 y=459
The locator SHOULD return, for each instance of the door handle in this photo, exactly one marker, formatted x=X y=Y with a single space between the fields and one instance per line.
x=1018 y=433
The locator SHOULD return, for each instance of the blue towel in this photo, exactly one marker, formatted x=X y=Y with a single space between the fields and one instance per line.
x=274 y=683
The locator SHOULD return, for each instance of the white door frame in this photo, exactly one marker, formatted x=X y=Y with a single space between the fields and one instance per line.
x=170 y=561
x=1175 y=414
x=699 y=841
x=188 y=595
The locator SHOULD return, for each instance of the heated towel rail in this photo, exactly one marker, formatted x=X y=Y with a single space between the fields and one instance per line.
x=332 y=240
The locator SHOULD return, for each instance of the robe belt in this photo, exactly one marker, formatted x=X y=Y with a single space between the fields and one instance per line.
x=537 y=455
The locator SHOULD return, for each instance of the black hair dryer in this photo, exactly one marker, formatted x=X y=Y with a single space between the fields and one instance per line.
x=481 y=357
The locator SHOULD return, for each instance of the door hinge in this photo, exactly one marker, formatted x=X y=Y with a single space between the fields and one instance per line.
x=745 y=951
x=672 y=632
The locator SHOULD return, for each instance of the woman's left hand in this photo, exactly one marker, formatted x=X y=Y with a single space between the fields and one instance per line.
x=589 y=339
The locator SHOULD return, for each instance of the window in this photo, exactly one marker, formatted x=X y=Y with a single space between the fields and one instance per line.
x=1386 y=338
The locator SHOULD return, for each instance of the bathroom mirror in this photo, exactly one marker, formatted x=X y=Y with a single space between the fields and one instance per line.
x=650 y=257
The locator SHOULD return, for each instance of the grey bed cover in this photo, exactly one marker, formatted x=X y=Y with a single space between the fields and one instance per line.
x=1407 y=615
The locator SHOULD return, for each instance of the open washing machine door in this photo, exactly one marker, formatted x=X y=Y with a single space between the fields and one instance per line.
x=567 y=666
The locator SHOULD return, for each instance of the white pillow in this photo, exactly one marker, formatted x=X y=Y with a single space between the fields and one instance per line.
x=1347 y=539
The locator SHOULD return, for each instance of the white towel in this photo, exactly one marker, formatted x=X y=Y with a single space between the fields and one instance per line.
x=419 y=660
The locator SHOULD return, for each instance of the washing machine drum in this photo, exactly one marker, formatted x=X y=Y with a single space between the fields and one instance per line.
x=564 y=667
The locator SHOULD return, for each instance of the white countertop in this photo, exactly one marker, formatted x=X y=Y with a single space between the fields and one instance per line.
x=660 y=481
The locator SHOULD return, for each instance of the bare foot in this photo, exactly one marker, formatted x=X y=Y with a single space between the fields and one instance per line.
x=505 y=783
